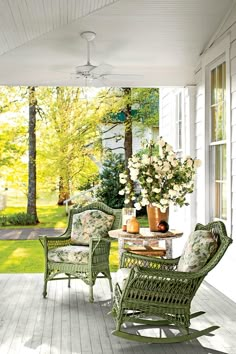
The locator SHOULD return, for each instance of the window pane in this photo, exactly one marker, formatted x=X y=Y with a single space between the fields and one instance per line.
x=213 y=86
x=224 y=80
x=219 y=151
x=213 y=123
x=218 y=171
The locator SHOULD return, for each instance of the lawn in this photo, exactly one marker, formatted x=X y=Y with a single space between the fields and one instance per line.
x=26 y=256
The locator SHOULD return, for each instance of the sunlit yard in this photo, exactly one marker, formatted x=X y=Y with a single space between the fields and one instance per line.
x=26 y=256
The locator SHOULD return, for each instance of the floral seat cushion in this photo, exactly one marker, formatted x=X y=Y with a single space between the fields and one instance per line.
x=69 y=254
x=90 y=223
x=199 y=248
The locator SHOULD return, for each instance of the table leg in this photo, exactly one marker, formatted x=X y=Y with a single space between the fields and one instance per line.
x=121 y=246
x=169 y=253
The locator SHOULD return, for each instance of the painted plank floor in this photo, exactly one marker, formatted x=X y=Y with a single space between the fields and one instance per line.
x=66 y=323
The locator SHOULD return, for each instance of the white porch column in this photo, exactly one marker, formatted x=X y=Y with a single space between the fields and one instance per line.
x=190 y=138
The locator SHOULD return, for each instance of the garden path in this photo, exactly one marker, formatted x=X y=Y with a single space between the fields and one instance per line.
x=28 y=234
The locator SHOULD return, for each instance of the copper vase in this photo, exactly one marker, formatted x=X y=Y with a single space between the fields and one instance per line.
x=155 y=216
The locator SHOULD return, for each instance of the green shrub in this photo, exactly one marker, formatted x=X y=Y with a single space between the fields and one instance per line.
x=3 y=220
x=21 y=219
x=110 y=184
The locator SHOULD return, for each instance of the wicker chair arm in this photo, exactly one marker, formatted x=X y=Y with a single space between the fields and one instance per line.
x=162 y=286
x=130 y=260
x=54 y=241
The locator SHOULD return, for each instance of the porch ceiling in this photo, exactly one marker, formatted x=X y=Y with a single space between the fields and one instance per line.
x=159 y=41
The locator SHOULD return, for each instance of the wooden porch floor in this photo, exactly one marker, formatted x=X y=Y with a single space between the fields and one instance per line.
x=67 y=323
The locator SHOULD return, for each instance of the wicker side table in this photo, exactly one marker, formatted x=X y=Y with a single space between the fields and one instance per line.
x=146 y=236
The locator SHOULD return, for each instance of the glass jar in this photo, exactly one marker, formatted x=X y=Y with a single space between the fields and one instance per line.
x=133 y=225
x=127 y=213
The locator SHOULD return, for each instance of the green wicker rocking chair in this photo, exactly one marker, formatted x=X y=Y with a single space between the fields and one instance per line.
x=81 y=252
x=154 y=292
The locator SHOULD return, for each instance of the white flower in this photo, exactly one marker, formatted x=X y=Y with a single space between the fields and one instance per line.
x=123 y=181
x=174 y=163
x=154 y=173
x=164 y=201
x=137 y=206
x=145 y=159
x=149 y=180
x=197 y=163
x=161 y=142
x=189 y=162
x=176 y=188
x=172 y=193
x=144 y=201
x=166 y=166
x=168 y=148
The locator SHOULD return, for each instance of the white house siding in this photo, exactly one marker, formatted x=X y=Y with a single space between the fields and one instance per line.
x=117 y=146
x=180 y=218
x=199 y=209
x=224 y=43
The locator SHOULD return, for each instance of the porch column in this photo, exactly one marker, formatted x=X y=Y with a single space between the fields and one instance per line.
x=190 y=138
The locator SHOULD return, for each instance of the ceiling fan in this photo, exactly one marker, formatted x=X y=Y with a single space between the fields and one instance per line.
x=88 y=70
x=102 y=72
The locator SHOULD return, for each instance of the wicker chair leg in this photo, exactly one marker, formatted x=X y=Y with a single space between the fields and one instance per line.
x=110 y=283
x=45 y=287
x=91 y=299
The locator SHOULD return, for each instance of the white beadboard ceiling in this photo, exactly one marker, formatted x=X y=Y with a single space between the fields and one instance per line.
x=156 y=41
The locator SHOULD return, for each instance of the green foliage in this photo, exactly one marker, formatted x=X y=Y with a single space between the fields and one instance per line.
x=21 y=219
x=144 y=104
x=50 y=216
x=110 y=183
x=3 y=220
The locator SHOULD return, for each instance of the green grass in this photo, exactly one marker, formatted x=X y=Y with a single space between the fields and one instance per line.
x=49 y=216
x=27 y=256
x=24 y=256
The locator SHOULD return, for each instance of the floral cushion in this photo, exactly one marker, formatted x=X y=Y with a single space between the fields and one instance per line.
x=69 y=254
x=90 y=223
x=199 y=248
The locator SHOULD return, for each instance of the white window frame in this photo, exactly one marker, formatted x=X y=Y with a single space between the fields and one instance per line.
x=179 y=121
x=210 y=64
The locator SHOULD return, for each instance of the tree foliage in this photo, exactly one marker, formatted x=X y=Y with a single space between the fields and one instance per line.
x=110 y=185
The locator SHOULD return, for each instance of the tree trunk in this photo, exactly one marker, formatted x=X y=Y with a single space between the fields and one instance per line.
x=128 y=138
x=31 y=206
x=64 y=191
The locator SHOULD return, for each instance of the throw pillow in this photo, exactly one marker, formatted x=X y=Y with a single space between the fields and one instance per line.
x=199 y=248
x=90 y=223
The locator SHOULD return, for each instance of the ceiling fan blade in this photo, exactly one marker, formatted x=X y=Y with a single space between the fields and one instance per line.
x=102 y=69
x=121 y=77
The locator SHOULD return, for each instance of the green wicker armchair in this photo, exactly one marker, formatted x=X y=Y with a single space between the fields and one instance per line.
x=155 y=293
x=83 y=261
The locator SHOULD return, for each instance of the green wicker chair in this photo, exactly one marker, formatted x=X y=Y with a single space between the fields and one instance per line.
x=156 y=294
x=97 y=253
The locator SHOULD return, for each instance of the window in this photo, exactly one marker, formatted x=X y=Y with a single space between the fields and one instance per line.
x=179 y=123
x=218 y=156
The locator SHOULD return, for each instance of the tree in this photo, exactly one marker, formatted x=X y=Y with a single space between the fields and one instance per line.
x=69 y=138
x=110 y=184
x=131 y=105
x=31 y=204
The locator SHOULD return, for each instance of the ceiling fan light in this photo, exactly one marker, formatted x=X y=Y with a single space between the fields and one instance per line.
x=84 y=68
